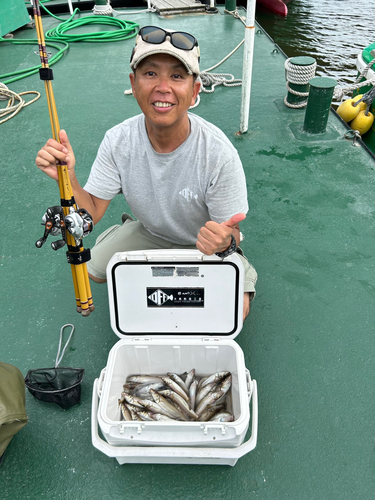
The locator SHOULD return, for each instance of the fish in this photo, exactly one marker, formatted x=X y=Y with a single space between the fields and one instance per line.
x=143 y=390
x=133 y=412
x=168 y=408
x=210 y=412
x=208 y=400
x=160 y=417
x=182 y=404
x=214 y=378
x=143 y=379
x=129 y=386
x=133 y=400
x=192 y=393
x=125 y=414
x=175 y=387
x=189 y=378
x=223 y=416
x=203 y=391
x=145 y=415
x=152 y=406
x=201 y=380
x=178 y=381
x=226 y=384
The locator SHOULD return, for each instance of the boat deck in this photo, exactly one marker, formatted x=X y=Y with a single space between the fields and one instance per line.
x=309 y=233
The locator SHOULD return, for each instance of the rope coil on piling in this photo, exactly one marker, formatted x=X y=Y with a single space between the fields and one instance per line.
x=299 y=75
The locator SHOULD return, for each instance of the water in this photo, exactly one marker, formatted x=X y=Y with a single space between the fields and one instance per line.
x=334 y=32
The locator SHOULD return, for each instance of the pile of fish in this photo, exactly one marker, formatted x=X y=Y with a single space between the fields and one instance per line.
x=177 y=397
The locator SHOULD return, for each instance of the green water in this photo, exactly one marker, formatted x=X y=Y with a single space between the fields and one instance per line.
x=331 y=31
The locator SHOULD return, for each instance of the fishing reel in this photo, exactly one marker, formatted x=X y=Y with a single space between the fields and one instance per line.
x=78 y=223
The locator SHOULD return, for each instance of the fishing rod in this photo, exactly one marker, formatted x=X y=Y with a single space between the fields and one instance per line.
x=73 y=223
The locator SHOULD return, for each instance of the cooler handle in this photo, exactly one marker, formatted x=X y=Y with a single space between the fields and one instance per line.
x=249 y=384
x=173 y=451
x=100 y=380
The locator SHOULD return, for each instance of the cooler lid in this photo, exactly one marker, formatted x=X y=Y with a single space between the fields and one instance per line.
x=173 y=293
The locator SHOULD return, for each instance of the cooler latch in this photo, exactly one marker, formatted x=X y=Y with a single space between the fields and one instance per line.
x=207 y=428
x=124 y=426
x=139 y=257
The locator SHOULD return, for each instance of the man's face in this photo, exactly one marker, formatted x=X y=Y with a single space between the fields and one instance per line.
x=164 y=90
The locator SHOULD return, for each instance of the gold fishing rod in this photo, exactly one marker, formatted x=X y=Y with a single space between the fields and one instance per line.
x=73 y=223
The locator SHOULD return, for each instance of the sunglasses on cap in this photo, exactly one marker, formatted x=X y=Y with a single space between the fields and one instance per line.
x=179 y=39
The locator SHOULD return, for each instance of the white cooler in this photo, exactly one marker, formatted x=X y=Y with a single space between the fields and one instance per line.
x=174 y=310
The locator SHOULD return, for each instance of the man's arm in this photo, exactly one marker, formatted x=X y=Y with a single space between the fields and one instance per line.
x=46 y=161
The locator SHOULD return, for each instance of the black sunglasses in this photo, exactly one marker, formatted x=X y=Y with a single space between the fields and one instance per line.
x=179 y=39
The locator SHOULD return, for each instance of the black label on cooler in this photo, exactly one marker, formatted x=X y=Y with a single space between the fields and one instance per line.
x=175 y=297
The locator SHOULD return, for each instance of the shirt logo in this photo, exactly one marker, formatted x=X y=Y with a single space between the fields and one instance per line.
x=188 y=195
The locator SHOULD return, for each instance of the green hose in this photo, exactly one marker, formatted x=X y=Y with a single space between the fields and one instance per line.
x=126 y=29
x=23 y=73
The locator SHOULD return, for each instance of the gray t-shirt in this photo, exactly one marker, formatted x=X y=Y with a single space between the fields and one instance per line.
x=172 y=194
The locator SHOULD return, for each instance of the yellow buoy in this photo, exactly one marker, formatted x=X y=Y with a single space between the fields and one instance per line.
x=347 y=111
x=362 y=122
x=362 y=105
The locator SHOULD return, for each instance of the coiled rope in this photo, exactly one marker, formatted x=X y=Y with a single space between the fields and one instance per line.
x=212 y=80
x=12 y=109
x=299 y=75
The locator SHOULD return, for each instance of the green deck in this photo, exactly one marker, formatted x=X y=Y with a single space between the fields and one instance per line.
x=309 y=338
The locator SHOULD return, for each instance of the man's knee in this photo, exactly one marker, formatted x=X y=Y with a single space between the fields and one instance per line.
x=97 y=280
x=247 y=298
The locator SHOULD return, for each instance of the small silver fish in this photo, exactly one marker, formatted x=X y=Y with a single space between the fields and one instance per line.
x=226 y=384
x=145 y=415
x=178 y=381
x=203 y=391
x=210 y=412
x=125 y=414
x=222 y=417
x=175 y=387
x=133 y=412
x=143 y=390
x=168 y=408
x=152 y=406
x=208 y=400
x=182 y=404
x=189 y=378
x=215 y=377
x=193 y=392
x=133 y=401
x=160 y=417
x=201 y=380
x=143 y=379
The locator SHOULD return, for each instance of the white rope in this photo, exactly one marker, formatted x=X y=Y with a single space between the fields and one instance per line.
x=299 y=75
x=103 y=10
x=12 y=109
x=340 y=92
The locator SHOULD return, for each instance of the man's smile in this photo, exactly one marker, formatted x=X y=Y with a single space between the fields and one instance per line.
x=160 y=104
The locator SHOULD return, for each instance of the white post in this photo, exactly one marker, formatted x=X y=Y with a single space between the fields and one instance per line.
x=247 y=65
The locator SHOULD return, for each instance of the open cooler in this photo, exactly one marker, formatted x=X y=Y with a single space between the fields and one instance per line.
x=174 y=310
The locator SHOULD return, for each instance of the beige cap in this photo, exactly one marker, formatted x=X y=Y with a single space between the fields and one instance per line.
x=190 y=58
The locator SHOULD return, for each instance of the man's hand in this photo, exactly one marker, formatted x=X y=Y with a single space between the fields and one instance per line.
x=49 y=154
x=214 y=237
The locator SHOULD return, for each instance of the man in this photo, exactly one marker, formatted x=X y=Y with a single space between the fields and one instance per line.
x=180 y=175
